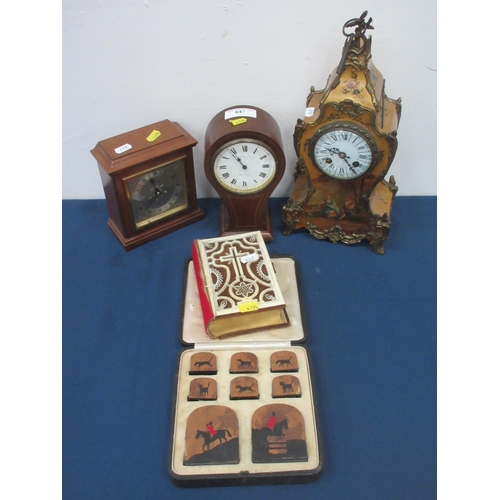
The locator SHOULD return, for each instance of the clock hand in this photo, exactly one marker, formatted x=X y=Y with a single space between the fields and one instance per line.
x=156 y=195
x=151 y=202
x=154 y=185
x=351 y=167
x=344 y=157
x=334 y=151
x=158 y=191
x=244 y=166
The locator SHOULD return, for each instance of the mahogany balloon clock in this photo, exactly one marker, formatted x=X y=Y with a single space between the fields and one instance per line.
x=244 y=162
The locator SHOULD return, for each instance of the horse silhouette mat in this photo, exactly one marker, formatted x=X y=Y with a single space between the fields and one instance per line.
x=278 y=434
x=212 y=436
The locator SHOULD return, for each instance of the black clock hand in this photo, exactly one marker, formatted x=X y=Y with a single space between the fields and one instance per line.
x=335 y=151
x=244 y=166
x=354 y=164
x=151 y=202
x=351 y=167
x=154 y=185
x=343 y=156
x=157 y=193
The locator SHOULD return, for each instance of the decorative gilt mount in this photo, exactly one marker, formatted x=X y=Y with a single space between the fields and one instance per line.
x=345 y=145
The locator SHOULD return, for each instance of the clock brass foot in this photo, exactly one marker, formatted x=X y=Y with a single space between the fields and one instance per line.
x=378 y=248
x=289 y=214
x=288 y=229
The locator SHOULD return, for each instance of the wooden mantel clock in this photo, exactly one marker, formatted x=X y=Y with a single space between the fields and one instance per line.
x=149 y=182
x=345 y=145
x=244 y=162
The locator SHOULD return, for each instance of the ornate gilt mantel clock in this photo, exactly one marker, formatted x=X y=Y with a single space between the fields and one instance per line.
x=345 y=145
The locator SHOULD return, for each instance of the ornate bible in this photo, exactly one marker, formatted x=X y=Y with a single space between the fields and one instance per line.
x=237 y=284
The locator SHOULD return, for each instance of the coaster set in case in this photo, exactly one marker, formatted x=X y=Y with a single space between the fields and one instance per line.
x=244 y=408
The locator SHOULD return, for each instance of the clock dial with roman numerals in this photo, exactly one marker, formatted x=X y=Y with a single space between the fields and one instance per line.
x=244 y=166
x=343 y=153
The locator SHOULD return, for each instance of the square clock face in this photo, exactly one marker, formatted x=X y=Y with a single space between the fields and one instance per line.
x=157 y=193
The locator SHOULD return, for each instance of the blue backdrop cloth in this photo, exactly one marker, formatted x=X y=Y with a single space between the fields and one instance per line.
x=371 y=336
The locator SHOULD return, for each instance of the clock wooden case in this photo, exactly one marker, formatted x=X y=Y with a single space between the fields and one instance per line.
x=345 y=145
x=244 y=162
x=149 y=182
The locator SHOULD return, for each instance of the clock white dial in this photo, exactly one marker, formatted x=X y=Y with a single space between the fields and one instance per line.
x=244 y=167
x=343 y=154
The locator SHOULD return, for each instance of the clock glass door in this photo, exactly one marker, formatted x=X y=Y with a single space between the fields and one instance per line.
x=343 y=151
x=157 y=193
x=244 y=167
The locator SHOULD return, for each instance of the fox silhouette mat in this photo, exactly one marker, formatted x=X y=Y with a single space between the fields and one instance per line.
x=284 y=361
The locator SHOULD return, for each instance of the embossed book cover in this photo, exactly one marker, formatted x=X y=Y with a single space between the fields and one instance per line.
x=237 y=284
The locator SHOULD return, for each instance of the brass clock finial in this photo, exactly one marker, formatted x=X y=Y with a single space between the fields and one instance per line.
x=360 y=24
x=356 y=42
x=355 y=53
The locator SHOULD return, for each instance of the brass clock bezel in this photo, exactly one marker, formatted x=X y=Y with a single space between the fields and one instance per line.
x=182 y=160
x=353 y=127
x=244 y=192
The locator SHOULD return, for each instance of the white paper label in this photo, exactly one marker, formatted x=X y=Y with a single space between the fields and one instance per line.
x=309 y=112
x=249 y=258
x=239 y=112
x=123 y=148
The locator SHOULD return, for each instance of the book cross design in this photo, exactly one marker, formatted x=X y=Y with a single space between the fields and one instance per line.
x=244 y=264
x=237 y=259
x=238 y=288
